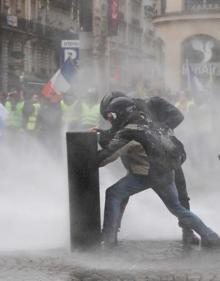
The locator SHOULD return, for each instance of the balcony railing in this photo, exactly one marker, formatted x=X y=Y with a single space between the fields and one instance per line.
x=193 y=7
x=34 y=28
x=201 y=5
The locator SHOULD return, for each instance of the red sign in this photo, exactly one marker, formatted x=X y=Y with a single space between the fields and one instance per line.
x=113 y=16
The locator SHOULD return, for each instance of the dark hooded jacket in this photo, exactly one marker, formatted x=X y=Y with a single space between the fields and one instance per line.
x=153 y=132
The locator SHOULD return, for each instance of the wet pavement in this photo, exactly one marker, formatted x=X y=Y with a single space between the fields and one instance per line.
x=130 y=261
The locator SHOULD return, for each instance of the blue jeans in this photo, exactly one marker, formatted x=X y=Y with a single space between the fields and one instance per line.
x=164 y=186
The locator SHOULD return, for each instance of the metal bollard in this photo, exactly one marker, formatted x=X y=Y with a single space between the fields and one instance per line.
x=84 y=200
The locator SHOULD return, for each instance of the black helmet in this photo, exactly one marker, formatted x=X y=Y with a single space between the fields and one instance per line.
x=105 y=102
x=121 y=107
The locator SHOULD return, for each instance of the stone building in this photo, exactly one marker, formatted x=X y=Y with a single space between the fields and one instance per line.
x=132 y=53
x=189 y=32
x=30 y=35
x=31 y=32
x=126 y=56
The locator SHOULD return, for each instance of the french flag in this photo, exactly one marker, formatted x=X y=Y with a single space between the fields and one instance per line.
x=61 y=80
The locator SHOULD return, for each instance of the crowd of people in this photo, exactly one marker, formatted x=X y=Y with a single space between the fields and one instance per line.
x=47 y=119
x=24 y=116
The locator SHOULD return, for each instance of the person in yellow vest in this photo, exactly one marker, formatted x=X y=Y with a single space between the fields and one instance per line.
x=31 y=114
x=70 y=109
x=14 y=105
x=90 y=116
x=14 y=122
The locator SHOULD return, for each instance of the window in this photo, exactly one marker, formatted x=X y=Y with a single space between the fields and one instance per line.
x=163 y=6
x=64 y=4
x=202 y=4
x=85 y=15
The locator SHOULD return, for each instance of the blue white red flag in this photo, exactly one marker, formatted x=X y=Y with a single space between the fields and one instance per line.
x=61 y=81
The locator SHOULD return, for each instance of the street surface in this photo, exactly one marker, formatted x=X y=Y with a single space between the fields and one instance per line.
x=130 y=261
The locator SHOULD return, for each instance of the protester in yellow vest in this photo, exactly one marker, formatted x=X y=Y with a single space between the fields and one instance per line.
x=31 y=113
x=70 y=109
x=14 y=105
x=90 y=115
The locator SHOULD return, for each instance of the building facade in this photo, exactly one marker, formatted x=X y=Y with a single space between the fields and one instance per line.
x=30 y=36
x=189 y=32
x=31 y=32
x=123 y=47
x=132 y=52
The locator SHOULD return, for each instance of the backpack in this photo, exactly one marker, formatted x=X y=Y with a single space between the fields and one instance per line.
x=165 y=152
x=165 y=149
x=160 y=110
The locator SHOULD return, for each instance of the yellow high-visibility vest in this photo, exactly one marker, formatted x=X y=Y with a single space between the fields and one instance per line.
x=32 y=120
x=69 y=112
x=15 y=117
x=90 y=115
